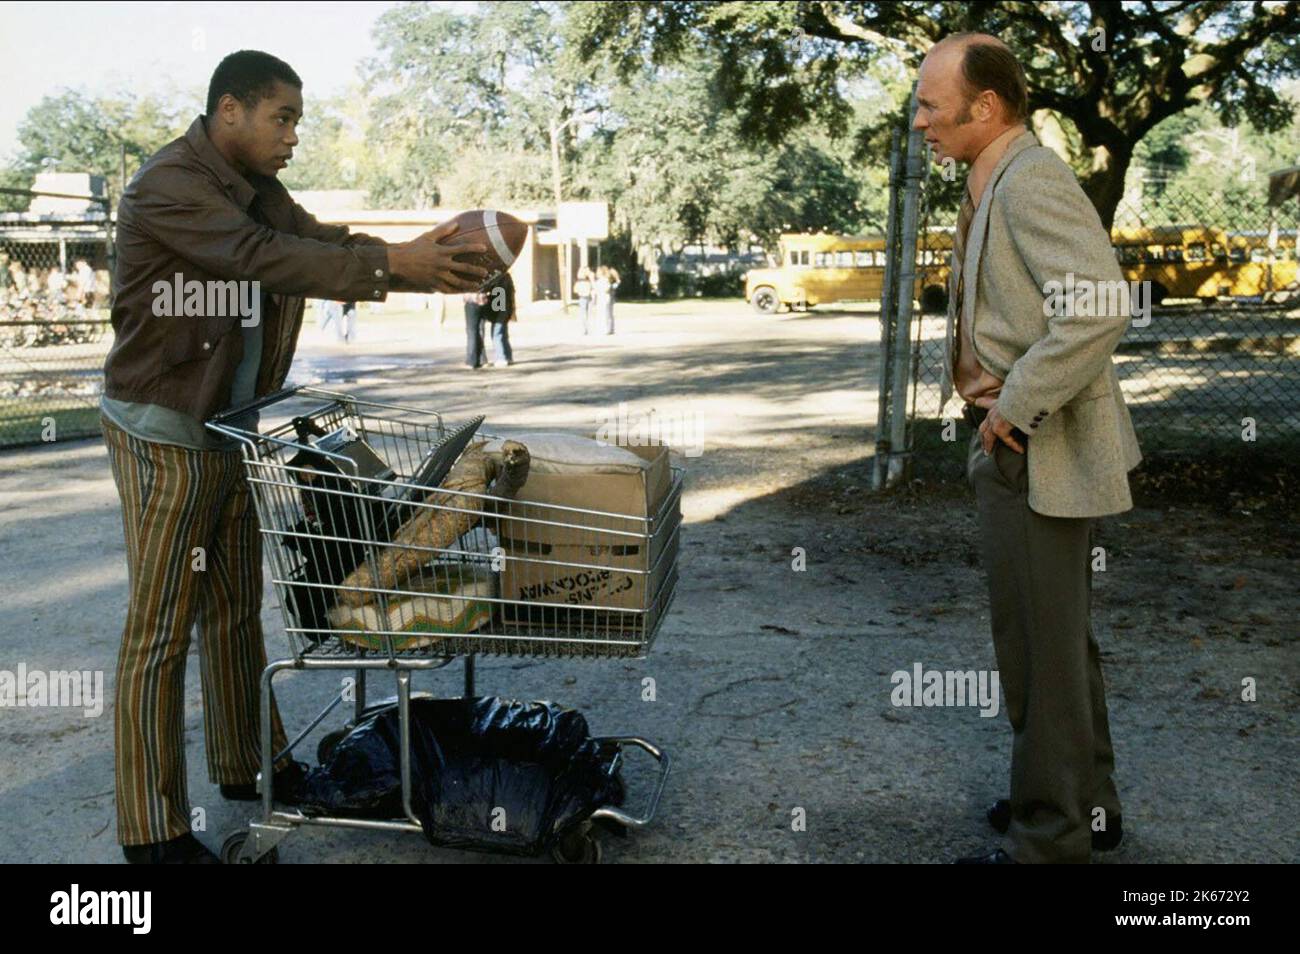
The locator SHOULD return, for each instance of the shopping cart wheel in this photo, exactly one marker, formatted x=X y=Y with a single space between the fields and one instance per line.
x=325 y=748
x=577 y=847
x=233 y=845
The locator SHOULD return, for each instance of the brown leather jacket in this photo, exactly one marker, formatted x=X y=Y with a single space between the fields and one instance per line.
x=188 y=212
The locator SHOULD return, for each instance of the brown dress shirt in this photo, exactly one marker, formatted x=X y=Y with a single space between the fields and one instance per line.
x=188 y=213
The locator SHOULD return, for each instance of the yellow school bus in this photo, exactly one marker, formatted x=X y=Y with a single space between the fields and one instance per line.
x=1203 y=262
x=1190 y=262
x=1262 y=268
x=820 y=269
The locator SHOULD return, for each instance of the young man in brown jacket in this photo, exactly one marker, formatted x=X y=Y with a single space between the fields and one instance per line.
x=208 y=208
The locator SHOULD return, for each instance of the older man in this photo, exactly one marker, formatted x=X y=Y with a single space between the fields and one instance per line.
x=1053 y=442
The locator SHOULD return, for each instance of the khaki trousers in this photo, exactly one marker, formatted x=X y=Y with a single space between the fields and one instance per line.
x=1040 y=583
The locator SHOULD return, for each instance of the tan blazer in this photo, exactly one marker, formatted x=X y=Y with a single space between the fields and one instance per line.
x=1033 y=226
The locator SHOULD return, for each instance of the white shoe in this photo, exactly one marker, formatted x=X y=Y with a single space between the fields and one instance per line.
x=501 y=364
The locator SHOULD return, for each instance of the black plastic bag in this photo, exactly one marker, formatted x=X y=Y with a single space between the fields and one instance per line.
x=488 y=774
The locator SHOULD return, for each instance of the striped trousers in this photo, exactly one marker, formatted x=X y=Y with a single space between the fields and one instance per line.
x=175 y=500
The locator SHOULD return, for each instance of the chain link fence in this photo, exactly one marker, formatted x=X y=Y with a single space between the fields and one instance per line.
x=55 y=287
x=1215 y=362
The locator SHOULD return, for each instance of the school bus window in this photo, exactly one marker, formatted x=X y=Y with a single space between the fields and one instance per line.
x=1237 y=254
x=823 y=260
x=1259 y=255
x=880 y=259
x=1173 y=253
x=1196 y=252
x=1219 y=254
x=1151 y=254
x=863 y=259
x=843 y=259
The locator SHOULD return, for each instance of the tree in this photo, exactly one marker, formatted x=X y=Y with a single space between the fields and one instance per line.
x=1111 y=72
x=1193 y=169
x=84 y=134
x=464 y=103
x=674 y=164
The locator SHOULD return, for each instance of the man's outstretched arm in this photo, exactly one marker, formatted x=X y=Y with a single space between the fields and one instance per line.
x=195 y=220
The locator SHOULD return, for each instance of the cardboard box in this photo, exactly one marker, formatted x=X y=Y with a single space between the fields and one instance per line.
x=554 y=556
x=637 y=495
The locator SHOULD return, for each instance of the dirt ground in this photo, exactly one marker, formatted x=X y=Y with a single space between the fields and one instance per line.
x=772 y=684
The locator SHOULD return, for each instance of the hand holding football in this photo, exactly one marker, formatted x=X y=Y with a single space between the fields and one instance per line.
x=500 y=235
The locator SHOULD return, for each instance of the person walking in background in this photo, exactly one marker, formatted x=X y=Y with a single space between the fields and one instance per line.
x=437 y=303
x=84 y=277
x=500 y=305
x=347 y=327
x=327 y=313
x=56 y=285
x=474 y=302
x=606 y=284
x=342 y=315
x=18 y=279
x=582 y=290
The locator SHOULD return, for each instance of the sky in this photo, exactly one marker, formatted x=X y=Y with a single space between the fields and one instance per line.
x=162 y=47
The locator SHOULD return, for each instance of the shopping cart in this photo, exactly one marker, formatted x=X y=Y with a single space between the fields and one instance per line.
x=320 y=525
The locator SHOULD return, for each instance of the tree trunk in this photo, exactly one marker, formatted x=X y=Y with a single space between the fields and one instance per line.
x=1104 y=185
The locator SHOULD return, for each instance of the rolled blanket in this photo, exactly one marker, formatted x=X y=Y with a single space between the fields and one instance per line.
x=475 y=472
x=448 y=607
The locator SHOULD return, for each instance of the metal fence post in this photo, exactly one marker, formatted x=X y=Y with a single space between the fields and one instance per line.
x=887 y=316
x=896 y=464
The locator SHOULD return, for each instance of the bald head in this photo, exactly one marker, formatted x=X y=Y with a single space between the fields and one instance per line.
x=970 y=90
x=988 y=65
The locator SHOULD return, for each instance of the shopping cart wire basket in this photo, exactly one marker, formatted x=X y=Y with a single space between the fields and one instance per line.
x=334 y=486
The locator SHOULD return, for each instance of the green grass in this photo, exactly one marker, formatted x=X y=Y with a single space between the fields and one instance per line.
x=21 y=424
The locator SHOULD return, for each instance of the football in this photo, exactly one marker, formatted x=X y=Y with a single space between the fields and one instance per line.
x=502 y=233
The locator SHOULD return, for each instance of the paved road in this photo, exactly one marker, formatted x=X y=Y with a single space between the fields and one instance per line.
x=773 y=686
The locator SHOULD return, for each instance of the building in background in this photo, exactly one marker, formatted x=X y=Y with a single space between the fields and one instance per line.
x=536 y=273
x=59 y=228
